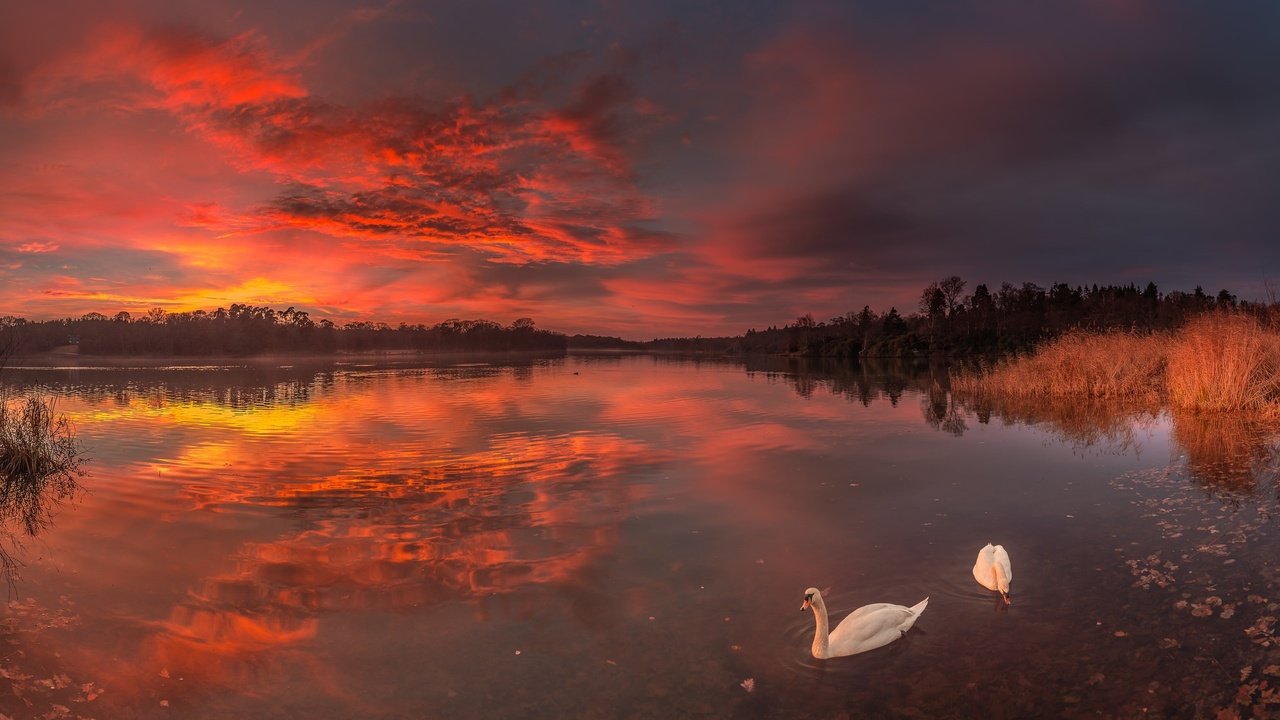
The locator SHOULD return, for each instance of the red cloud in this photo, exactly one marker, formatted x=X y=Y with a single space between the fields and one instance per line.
x=510 y=177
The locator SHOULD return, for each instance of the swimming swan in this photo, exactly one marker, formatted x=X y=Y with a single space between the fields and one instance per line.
x=867 y=628
x=993 y=570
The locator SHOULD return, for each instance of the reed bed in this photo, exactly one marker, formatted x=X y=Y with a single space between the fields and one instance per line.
x=1112 y=365
x=1225 y=362
x=1219 y=362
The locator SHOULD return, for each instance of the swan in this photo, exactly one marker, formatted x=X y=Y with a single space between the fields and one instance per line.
x=993 y=570
x=867 y=628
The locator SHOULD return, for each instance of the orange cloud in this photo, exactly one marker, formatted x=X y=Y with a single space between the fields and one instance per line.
x=509 y=177
x=37 y=247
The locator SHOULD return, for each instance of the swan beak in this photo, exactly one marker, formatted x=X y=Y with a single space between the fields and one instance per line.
x=1008 y=599
x=805 y=605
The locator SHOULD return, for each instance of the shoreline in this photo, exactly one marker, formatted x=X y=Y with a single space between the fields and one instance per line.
x=54 y=359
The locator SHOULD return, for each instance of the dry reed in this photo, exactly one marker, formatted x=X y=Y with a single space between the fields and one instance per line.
x=1218 y=362
x=1111 y=365
x=1225 y=362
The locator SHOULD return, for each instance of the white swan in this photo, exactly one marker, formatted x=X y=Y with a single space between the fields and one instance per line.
x=993 y=570
x=867 y=628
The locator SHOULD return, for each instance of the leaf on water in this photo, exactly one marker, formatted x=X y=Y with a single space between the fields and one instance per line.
x=1245 y=672
x=164 y=703
x=1273 y=670
x=1120 y=633
x=749 y=684
x=1228 y=612
x=164 y=672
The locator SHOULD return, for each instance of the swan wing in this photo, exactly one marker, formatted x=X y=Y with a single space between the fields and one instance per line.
x=982 y=567
x=871 y=626
x=1000 y=558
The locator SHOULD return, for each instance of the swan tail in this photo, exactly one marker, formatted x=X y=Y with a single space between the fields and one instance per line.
x=913 y=615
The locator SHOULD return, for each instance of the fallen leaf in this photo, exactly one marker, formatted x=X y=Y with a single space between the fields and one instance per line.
x=749 y=684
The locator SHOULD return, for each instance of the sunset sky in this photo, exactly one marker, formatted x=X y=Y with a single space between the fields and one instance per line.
x=632 y=168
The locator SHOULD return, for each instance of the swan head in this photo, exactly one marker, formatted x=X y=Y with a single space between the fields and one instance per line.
x=812 y=596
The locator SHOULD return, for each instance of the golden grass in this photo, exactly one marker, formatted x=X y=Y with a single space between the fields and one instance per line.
x=1224 y=362
x=1218 y=362
x=1111 y=365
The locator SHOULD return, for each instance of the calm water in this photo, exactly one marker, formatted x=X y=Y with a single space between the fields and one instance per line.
x=601 y=537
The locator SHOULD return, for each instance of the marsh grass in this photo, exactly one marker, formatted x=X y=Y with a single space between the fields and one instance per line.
x=1225 y=362
x=40 y=467
x=1101 y=366
x=1219 y=362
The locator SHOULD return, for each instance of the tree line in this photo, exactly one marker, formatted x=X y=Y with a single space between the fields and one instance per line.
x=946 y=322
x=950 y=322
x=251 y=330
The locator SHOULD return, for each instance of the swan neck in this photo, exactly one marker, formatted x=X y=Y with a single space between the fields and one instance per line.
x=821 y=637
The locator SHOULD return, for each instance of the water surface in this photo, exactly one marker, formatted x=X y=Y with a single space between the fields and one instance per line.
x=630 y=537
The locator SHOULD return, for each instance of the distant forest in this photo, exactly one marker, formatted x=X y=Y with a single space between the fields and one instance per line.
x=949 y=322
x=946 y=322
x=251 y=330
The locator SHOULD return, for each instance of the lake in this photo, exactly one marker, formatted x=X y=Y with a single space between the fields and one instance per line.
x=606 y=536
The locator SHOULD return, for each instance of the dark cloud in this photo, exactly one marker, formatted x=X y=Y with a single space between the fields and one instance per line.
x=10 y=83
x=832 y=226
x=1008 y=142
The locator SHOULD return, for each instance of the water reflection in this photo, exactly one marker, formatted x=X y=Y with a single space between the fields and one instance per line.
x=1223 y=452
x=1227 y=452
x=865 y=382
x=366 y=540
x=386 y=490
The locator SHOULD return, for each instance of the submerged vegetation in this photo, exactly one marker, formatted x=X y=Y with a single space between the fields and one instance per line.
x=1218 y=361
x=39 y=469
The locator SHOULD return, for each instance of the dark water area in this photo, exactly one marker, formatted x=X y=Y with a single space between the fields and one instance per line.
x=613 y=536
